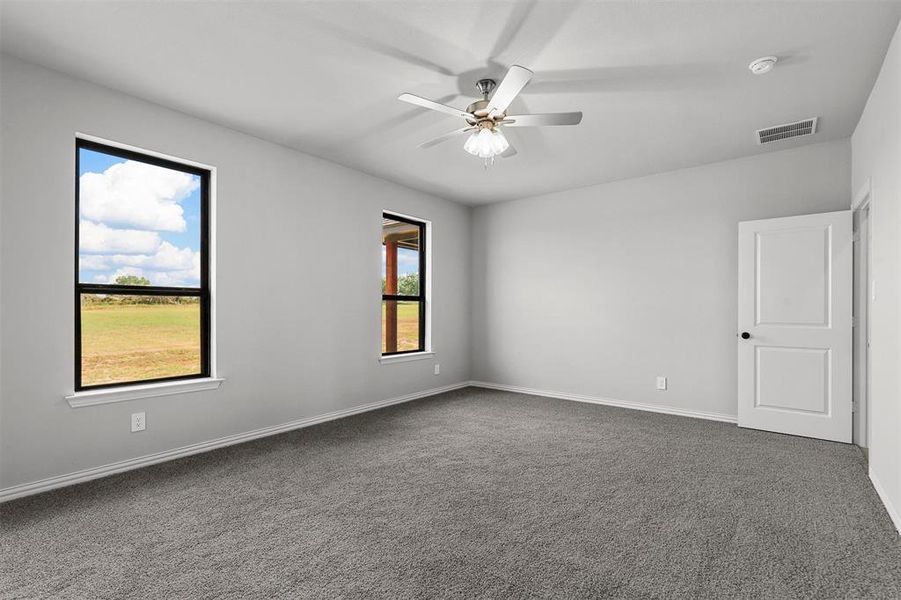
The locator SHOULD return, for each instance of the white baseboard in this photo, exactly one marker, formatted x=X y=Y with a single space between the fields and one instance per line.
x=889 y=507
x=43 y=485
x=682 y=412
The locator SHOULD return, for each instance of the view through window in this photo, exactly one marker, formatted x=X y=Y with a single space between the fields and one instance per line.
x=142 y=281
x=403 y=285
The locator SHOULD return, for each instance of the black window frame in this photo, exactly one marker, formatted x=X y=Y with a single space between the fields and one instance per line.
x=421 y=297
x=202 y=292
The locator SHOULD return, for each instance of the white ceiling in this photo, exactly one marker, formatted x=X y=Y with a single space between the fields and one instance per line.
x=662 y=85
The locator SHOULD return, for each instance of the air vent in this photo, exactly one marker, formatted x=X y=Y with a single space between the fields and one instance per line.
x=789 y=130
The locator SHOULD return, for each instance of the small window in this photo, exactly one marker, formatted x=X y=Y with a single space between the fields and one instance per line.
x=142 y=297
x=403 y=285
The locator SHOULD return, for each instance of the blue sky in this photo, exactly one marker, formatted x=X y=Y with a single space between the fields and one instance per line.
x=137 y=219
x=407 y=261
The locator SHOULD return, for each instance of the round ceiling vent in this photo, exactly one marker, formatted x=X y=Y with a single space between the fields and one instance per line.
x=763 y=65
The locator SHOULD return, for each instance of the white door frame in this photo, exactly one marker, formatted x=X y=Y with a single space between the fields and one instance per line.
x=863 y=244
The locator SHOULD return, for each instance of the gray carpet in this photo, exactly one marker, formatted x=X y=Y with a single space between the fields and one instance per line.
x=474 y=493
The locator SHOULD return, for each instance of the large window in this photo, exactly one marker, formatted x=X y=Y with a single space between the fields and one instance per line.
x=403 y=285
x=142 y=296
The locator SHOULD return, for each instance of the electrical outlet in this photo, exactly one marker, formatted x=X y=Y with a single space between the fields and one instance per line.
x=138 y=422
x=437 y=369
x=661 y=383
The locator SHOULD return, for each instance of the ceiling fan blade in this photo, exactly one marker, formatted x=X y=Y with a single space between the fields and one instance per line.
x=510 y=151
x=444 y=138
x=570 y=118
x=515 y=79
x=432 y=105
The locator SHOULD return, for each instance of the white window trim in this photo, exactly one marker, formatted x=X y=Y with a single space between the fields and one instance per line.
x=142 y=390
x=164 y=388
x=430 y=243
x=398 y=358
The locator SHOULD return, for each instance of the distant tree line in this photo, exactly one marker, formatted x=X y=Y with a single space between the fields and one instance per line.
x=132 y=280
x=128 y=299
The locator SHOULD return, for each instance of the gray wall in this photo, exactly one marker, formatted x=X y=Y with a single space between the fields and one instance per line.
x=876 y=148
x=290 y=228
x=598 y=290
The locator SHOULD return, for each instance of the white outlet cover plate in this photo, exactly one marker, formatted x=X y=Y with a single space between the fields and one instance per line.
x=138 y=422
x=661 y=383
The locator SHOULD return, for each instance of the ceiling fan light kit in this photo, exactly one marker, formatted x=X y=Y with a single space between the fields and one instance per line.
x=484 y=118
x=486 y=143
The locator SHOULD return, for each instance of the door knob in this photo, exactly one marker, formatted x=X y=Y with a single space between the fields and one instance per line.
x=745 y=335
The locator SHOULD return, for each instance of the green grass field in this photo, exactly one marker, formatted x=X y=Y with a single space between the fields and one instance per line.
x=407 y=326
x=139 y=341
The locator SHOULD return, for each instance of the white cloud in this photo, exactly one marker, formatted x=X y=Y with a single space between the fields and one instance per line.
x=407 y=259
x=167 y=257
x=93 y=262
x=175 y=278
x=137 y=194
x=169 y=265
x=111 y=278
x=97 y=238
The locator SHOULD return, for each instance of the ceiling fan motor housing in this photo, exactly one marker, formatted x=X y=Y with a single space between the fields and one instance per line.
x=481 y=118
x=477 y=105
x=485 y=86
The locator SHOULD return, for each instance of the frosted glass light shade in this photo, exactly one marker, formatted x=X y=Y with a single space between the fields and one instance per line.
x=485 y=143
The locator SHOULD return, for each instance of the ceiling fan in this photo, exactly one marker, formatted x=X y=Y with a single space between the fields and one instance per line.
x=485 y=118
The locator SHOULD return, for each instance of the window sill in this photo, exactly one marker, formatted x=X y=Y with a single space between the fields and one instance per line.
x=399 y=358
x=148 y=390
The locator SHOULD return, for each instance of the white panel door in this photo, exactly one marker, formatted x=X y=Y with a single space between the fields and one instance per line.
x=794 y=325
